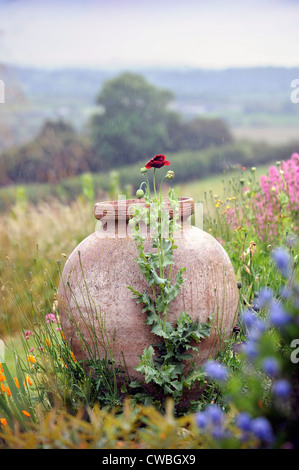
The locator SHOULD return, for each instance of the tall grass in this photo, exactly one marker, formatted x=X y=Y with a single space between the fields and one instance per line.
x=34 y=243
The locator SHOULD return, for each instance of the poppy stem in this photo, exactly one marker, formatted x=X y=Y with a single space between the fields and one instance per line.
x=154 y=185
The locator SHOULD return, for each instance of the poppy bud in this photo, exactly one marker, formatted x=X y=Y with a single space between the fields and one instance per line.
x=139 y=193
x=143 y=170
x=170 y=175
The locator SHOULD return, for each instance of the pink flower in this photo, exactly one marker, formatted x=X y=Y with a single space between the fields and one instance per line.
x=50 y=317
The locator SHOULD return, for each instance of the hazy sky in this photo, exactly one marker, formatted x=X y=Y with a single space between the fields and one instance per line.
x=123 y=33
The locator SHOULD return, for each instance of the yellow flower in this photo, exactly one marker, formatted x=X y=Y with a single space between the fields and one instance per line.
x=31 y=359
x=2 y=387
x=26 y=413
x=8 y=391
x=28 y=380
x=48 y=342
x=3 y=422
x=2 y=378
x=73 y=357
x=217 y=205
x=17 y=382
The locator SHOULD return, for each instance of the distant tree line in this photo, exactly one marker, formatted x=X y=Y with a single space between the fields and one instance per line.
x=133 y=123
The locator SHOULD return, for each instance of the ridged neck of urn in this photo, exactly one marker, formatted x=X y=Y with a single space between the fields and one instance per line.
x=122 y=209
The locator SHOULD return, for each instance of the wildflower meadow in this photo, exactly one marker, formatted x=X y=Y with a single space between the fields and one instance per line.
x=248 y=394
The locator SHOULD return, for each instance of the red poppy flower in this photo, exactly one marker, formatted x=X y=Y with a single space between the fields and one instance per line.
x=157 y=162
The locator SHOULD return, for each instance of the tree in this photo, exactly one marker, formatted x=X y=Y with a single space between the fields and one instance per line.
x=55 y=154
x=197 y=134
x=133 y=125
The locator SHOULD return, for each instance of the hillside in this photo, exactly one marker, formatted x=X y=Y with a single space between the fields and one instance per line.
x=250 y=98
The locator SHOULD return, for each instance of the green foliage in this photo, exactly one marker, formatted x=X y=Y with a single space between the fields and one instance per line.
x=133 y=120
x=57 y=153
x=162 y=364
x=63 y=400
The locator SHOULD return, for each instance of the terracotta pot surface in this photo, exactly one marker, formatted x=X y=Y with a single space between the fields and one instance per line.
x=107 y=261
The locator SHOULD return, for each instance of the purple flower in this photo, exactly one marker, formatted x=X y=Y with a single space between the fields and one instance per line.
x=270 y=365
x=282 y=260
x=50 y=318
x=282 y=388
x=249 y=318
x=216 y=371
x=265 y=297
x=278 y=316
x=201 y=419
x=252 y=321
x=244 y=421
x=219 y=433
x=262 y=429
x=250 y=348
x=212 y=420
x=215 y=414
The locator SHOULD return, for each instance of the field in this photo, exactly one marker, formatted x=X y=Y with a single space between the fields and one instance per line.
x=239 y=208
x=275 y=134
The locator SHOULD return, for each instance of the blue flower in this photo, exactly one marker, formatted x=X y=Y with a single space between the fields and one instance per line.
x=212 y=421
x=201 y=419
x=265 y=297
x=216 y=371
x=270 y=365
x=253 y=322
x=219 y=433
x=244 y=421
x=278 y=316
x=282 y=260
x=282 y=388
x=215 y=414
x=250 y=348
x=262 y=429
x=249 y=318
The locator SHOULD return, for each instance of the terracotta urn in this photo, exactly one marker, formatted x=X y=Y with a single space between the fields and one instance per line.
x=94 y=294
